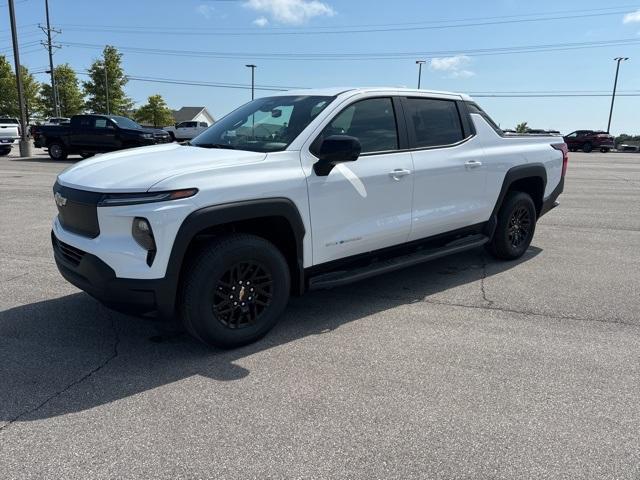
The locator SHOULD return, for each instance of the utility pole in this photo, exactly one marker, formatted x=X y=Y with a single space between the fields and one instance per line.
x=106 y=85
x=253 y=79
x=420 y=63
x=25 y=144
x=50 y=46
x=615 y=87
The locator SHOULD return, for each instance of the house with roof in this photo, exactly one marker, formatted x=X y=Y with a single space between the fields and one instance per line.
x=193 y=114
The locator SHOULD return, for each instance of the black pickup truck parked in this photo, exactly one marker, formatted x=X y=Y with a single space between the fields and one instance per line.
x=90 y=134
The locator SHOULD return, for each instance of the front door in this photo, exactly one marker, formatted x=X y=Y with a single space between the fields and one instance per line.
x=363 y=205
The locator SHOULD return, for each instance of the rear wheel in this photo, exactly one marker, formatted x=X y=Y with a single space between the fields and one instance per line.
x=515 y=228
x=234 y=290
x=57 y=151
x=587 y=147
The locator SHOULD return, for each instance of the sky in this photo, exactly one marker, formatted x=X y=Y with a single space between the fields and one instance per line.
x=468 y=46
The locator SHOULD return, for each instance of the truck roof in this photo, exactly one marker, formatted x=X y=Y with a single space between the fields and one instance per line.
x=335 y=91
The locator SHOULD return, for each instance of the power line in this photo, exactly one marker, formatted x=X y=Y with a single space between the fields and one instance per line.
x=217 y=32
x=364 y=55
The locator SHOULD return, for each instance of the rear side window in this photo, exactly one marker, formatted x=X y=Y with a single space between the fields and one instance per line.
x=473 y=108
x=434 y=122
x=371 y=121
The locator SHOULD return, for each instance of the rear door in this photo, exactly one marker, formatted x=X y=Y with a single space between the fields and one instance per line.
x=450 y=169
x=363 y=205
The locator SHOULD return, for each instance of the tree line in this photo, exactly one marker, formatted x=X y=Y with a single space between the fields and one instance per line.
x=106 y=78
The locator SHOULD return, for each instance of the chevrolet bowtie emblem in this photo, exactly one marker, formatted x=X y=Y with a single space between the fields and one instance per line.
x=60 y=200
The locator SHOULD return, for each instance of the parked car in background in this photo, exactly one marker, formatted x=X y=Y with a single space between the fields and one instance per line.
x=161 y=136
x=9 y=133
x=588 y=140
x=90 y=134
x=295 y=192
x=57 y=121
x=186 y=130
x=625 y=147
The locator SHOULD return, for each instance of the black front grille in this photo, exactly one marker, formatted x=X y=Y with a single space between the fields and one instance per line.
x=77 y=210
x=72 y=254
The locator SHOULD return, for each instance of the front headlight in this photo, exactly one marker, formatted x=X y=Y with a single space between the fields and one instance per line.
x=121 y=199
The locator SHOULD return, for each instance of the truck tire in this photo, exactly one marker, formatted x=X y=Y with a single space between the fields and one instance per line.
x=172 y=136
x=604 y=150
x=57 y=151
x=234 y=290
x=515 y=228
x=5 y=151
x=587 y=147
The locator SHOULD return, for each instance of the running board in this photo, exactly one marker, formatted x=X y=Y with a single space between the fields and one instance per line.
x=343 y=277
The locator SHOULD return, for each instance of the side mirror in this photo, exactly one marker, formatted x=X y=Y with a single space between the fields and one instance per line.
x=336 y=149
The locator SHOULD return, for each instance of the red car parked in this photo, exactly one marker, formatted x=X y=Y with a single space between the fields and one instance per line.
x=587 y=140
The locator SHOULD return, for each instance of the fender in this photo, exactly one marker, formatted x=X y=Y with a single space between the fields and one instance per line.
x=208 y=217
x=514 y=174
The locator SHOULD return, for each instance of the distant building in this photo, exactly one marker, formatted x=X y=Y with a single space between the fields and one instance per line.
x=193 y=114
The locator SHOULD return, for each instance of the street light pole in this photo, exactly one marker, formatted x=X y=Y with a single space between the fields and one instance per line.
x=420 y=63
x=25 y=145
x=615 y=87
x=253 y=79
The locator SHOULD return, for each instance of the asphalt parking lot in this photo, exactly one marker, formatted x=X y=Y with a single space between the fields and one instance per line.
x=462 y=368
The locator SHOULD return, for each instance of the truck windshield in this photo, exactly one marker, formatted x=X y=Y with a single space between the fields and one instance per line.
x=267 y=124
x=124 y=122
x=9 y=120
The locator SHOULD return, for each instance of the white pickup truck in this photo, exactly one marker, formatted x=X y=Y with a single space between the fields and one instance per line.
x=9 y=133
x=186 y=130
x=303 y=190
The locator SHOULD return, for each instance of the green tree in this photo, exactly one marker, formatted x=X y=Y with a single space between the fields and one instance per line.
x=115 y=80
x=9 y=91
x=155 y=112
x=69 y=94
x=522 y=127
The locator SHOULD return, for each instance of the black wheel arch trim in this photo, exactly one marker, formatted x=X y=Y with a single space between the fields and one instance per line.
x=519 y=172
x=207 y=217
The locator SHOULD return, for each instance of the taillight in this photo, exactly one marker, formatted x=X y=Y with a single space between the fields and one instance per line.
x=565 y=155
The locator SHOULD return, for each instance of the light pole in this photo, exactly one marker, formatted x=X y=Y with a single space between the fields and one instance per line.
x=420 y=63
x=253 y=79
x=615 y=87
x=25 y=145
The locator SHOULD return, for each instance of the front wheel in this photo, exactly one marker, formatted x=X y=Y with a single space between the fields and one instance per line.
x=5 y=151
x=587 y=147
x=515 y=228
x=57 y=151
x=604 y=150
x=234 y=290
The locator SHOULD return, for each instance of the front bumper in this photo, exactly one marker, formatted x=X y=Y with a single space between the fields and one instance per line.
x=89 y=273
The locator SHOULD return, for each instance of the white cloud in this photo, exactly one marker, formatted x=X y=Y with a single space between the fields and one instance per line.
x=261 y=21
x=205 y=10
x=455 y=66
x=292 y=12
x=632 y=17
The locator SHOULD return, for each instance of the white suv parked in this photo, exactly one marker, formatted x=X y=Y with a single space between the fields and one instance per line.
x=299 y=191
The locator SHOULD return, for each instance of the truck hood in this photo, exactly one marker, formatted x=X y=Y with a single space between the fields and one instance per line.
x=138 y=169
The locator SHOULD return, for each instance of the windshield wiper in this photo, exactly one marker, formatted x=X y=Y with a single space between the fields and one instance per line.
x=213 y=145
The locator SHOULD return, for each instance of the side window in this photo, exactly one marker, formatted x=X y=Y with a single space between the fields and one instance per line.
x=434 y=122
x=572 y=135
x=101 y=123
x=86 y=122
x=473 y=108
x=203 y=124
x=371 y=121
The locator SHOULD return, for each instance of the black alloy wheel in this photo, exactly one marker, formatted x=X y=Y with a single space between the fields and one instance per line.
x=519 y=226
x=242 y=294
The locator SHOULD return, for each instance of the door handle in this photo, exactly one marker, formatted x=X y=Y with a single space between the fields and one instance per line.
x=473 y=164
x=398 y=173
